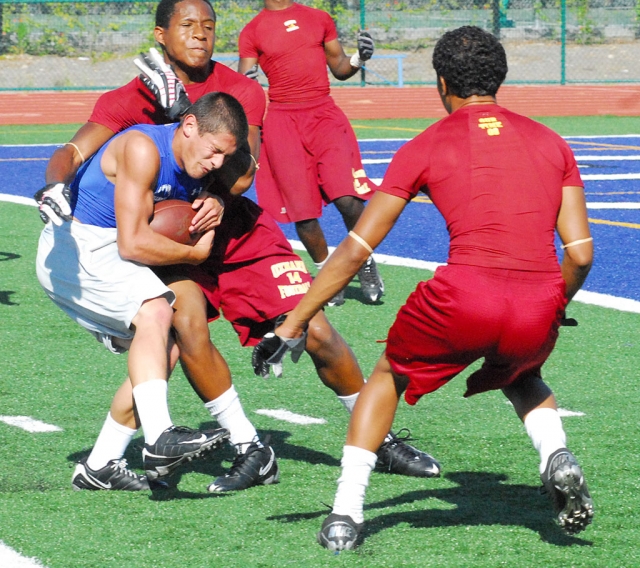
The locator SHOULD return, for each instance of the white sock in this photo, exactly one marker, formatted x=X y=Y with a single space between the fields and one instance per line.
x=544 y=427
x=151 y=404
x=111 y=443
x=228 y=411
x=357 y=465
x=349 y=401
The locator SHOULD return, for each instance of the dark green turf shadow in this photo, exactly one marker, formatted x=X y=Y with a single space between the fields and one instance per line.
x=480 y=499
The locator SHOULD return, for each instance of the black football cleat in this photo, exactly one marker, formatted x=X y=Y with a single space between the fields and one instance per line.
x=396 y=456
x=177 y=445
x=563 y=480
x=371 y=283
x=115 y=476
x=256 y=466
x=340 y=532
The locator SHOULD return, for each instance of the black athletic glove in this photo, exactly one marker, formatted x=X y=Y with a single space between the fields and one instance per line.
x=270 y=352
x=252 y=72
x=54 y=202
x=365 y=46
x=161 y=80
x=568 y=322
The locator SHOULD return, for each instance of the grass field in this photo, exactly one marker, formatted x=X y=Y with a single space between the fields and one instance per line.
x=484 y=511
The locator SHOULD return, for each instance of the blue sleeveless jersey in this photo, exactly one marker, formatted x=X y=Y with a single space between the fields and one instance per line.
x=94 y=192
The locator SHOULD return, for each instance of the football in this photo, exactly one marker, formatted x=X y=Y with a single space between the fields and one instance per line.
x=172 y=218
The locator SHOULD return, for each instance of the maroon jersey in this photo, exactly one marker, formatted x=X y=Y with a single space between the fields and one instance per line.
x=289 y=46
x=134 y=104
x=496 y=177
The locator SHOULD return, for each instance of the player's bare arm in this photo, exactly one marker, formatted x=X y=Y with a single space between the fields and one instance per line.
x=66 y=160
x=342 y=70
x=246 y=63
x=132 y=163
x=374 y=224
x=338 y=61
x=573 y=229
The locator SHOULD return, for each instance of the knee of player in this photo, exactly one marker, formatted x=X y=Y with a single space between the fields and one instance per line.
x=155 y=314
x=321 y=335
x=190 y=326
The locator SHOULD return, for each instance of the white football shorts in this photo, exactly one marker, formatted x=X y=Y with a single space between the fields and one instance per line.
x=81 y=270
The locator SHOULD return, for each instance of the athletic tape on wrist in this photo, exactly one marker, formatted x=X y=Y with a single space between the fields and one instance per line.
x=360 y=240
x=355 y=61
x=77 y=150
x=255 y=163
x=574 y=243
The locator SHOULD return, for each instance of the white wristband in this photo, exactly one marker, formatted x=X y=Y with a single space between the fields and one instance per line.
x=355 y=61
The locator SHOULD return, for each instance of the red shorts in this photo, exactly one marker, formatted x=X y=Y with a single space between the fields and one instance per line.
x=252 y=275
x=465 y=313
x=309 y=157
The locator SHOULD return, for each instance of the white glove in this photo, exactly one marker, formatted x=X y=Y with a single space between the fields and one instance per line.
x=366 y=48
x=54 y=202
x=161 y=80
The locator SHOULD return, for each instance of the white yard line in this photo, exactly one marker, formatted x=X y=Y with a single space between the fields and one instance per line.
x=12 y=559
x=29 y=424
x=291 y=417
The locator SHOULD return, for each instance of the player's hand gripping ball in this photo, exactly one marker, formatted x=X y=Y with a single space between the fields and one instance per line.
x=172 y=218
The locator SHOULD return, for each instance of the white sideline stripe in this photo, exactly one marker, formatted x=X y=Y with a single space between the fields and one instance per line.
x=608 y=177
x=12 y=559
x=584 y=297
x=594 y=298
x=579 y=158
x=606 y=205
x=29 y=424
x=592 y=205
x=18 y=199
x=288 y=416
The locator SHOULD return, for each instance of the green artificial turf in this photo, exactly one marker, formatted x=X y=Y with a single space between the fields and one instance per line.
x=485 y=511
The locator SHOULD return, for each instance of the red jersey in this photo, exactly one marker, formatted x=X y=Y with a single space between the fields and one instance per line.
x=496 y=177
x=289 y=46
x=134 y=104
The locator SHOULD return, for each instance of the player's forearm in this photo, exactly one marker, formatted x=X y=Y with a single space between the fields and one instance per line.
x=575 y=273
x=343 y=69
x=62 y=166
x=153 y=249
x=339 y=270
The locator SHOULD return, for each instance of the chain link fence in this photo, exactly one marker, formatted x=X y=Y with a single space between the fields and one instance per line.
x=90 y=44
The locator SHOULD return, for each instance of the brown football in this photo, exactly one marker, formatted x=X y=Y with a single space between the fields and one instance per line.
x=172 y=218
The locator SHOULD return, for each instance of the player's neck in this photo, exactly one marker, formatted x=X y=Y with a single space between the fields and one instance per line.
x=277 y=4
x=193 y=75
x=457 y=102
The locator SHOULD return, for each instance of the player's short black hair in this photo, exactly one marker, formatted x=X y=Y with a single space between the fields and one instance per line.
x=166 y=8
x=471 y=61
x=220 y=112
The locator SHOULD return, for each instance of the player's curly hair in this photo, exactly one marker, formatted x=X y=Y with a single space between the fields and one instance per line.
x=166 y=8
x=220 y=112
x=471 y=61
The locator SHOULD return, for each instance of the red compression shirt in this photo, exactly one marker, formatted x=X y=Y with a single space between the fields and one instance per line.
x=134 y=104
x=496 y=177
x=289 y=46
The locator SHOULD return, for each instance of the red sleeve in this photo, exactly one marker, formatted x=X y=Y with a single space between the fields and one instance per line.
x=406 y=175
x=246 y=45
x=127 y=106
x=331 y=32
x=571 y=172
